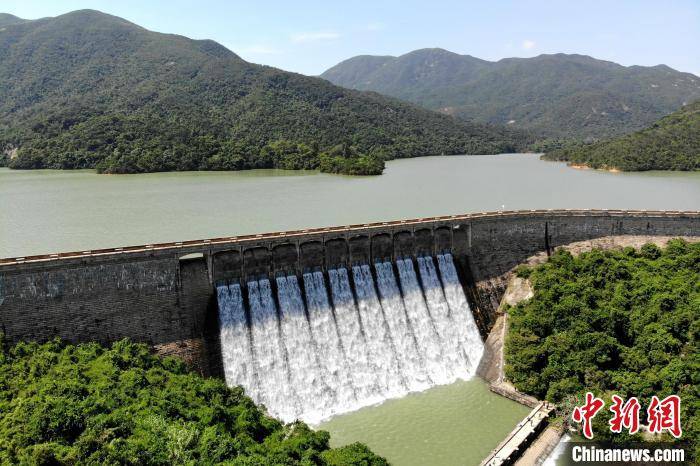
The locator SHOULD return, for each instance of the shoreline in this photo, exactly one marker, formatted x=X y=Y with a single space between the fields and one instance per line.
x=581 y=166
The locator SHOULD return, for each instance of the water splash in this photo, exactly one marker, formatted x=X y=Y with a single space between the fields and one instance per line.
x=374 y=339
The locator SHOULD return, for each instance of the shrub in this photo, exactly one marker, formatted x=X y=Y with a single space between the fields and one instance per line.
x=86 y=404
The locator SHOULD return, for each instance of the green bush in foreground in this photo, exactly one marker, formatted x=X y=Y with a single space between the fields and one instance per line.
x=624 y=322
x=85 y=404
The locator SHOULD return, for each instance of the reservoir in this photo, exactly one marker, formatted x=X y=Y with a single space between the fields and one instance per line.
x=51 y=211
x=457 y=424
x=455 y=421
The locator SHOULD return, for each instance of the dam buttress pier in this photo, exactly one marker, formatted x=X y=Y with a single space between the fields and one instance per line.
x=165 y=295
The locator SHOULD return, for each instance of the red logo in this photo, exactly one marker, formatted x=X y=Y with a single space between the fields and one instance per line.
x=625 y=415
x=662 y=415
x=587 y=412
x=665 y=415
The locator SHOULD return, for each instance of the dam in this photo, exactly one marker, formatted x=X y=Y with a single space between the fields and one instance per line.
x=311 y=322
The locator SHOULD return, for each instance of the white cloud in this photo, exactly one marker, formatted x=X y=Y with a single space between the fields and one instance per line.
x=528 y=44
x=305 y=37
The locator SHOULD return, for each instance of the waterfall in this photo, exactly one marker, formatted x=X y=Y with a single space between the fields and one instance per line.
x=234 y=334
x=412 y=363
x=459 y=308
x=351 y=337
x=346 y=340
x=274 y=389
x=380 y=345
x=454 y=359
x=331 y=354
x=421 y=324
x=314 y=394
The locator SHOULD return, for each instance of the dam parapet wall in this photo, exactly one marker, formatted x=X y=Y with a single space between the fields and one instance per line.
x=163 y=294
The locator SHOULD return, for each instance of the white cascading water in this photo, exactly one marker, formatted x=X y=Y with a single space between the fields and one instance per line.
x=422 y=325
x=461 y=314
x=351 y=337
x=454 y=359
x=234 y=334
x=331 y=355
x=411 y=361
x=274 y=389
x=314 y=395
x=371 y=341
x=380 y=345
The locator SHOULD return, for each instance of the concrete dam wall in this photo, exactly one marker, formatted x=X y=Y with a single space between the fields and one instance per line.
x=165 y=294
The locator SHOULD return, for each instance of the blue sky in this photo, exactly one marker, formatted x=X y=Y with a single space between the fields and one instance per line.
x=310 y=36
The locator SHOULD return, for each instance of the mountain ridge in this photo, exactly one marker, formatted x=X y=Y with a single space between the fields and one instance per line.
x=7 y=19
x=87 y=89
x=558 y=95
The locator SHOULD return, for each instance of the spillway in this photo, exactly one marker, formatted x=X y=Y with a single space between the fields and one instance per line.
x=337 y=341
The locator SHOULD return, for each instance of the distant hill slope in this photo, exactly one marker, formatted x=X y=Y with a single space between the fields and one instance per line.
x=558 y=95
x=6 y=20
x=672 y=143
x=88 y=89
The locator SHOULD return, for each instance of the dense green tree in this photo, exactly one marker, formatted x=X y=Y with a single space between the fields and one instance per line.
x=672 y=143
x=622 y=321
x=102 y=92
x=86 y=404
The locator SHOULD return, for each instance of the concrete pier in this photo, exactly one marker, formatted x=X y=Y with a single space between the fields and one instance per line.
x=510 y=449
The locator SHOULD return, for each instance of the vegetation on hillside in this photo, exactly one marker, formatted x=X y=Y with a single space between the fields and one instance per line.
x=7 y=19
x=624 y=322
x=103 y=92
x=283 y=154
x=560 y=96
x=85 y=404
x=672 y=143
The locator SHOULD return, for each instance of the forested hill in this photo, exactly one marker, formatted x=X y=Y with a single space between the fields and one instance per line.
x=563 y=96
x=672 y=143
x=88 y=89
x=6 y=20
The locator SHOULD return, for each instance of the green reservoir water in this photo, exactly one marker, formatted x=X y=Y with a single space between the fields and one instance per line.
x=456 y=424
x=52 y=211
